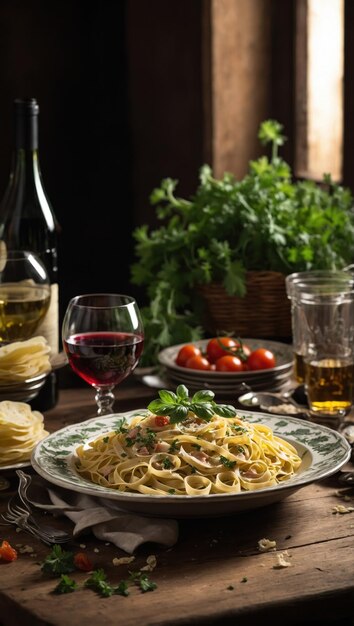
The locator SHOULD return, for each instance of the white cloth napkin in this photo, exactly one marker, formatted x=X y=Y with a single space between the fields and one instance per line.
x=106 y=521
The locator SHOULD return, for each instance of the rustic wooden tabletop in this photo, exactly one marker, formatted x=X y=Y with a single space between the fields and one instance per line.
x=214 y=574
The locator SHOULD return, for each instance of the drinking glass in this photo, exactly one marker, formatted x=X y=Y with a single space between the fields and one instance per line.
x=24 y=294
x=328 y=331
x=103 y=338
x=315 y=281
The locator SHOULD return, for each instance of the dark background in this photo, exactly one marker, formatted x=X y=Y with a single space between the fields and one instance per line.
x=109 y=129
x=119 y=84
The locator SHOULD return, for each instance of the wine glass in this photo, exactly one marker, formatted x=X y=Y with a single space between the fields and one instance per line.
x=24 y=294
x=103 y=338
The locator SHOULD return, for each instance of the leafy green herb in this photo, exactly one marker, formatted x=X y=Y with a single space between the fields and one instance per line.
x=238 y=429
x=174 y=446
x=172 y=491
x=227 y=463
x=98 y=582
x=142 y=438
x=121 y=426
x=244 y=579
x=178 y=405
x=105 y=439
x=122 y=589
x=167 y=463
x=142 y=580
x=65 y=585
x=266 y=221
x=58 y=562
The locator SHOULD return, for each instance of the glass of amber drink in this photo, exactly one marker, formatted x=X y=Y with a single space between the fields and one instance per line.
x=328 y=351
x=316 y=282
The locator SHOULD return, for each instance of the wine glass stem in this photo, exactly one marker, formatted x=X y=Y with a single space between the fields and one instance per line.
x=105 y=399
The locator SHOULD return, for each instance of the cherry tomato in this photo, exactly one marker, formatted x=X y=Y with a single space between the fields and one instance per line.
x=161 y=421
x=246 y=350
x=185 y=353
x=218 y=347
x=229 y=363
x=82 y=562
x=261 y=359
x=198 y=362
x=7 y=552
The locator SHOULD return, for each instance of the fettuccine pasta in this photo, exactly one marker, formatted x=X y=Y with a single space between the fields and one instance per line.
x=150 y=455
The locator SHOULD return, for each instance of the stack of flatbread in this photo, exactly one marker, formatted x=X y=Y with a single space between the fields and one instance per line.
x=23 y=360
x=20 y=430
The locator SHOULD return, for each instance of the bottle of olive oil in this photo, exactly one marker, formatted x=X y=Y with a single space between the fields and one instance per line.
x=28 y=222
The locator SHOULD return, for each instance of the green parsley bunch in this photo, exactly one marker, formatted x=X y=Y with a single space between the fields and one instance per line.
x=265 y=221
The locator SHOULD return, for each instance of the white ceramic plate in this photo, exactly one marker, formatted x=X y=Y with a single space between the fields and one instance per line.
x=323 y=453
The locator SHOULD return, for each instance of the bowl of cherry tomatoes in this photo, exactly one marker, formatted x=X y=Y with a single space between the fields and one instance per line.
x=229 y=365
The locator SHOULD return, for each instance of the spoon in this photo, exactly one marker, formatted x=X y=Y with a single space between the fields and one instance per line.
x=266 y=400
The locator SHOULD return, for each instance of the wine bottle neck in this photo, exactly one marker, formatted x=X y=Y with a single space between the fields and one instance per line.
x=26 y=133
x=26 y=124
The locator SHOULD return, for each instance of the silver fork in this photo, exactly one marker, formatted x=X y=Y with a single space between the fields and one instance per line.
x=24 y=518
x=20 y=514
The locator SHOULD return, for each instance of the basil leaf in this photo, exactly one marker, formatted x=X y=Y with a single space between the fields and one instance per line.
x=178 y=413
x=202 y=410
x=182 y=392
x=225 y=410
x=205 y=395
x=156 y=406
x=168 y=396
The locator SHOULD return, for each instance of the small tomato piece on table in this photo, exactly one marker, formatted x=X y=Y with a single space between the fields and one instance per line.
x=82 y=562
x=7 y=552
x=218 y=347
x=198 y=362
x=261 y=359
x=229 y=363
x=185 y=353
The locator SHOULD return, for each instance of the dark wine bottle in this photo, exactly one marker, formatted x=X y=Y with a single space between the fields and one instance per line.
x=28 y=222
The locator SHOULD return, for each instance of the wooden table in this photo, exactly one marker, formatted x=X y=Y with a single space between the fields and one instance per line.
x=215 y=573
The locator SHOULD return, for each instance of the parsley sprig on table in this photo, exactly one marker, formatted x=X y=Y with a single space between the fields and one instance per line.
x=59 y=562
x=266 y=221
x=66 y=585
x=178 y=405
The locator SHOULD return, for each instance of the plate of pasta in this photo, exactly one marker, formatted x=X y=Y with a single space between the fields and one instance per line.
x=172 y=462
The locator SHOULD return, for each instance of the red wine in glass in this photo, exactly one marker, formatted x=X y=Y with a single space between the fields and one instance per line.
x=103 y=358
x=103 y=337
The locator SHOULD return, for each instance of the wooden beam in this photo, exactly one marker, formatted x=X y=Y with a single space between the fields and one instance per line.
x=319 y=88
x=237 y=90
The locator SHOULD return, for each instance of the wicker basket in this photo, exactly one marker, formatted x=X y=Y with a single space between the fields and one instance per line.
x=263 y=312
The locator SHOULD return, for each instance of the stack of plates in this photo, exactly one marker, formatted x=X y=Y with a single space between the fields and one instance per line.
x=225 y=384
x=26 y=390
x=22 y=391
